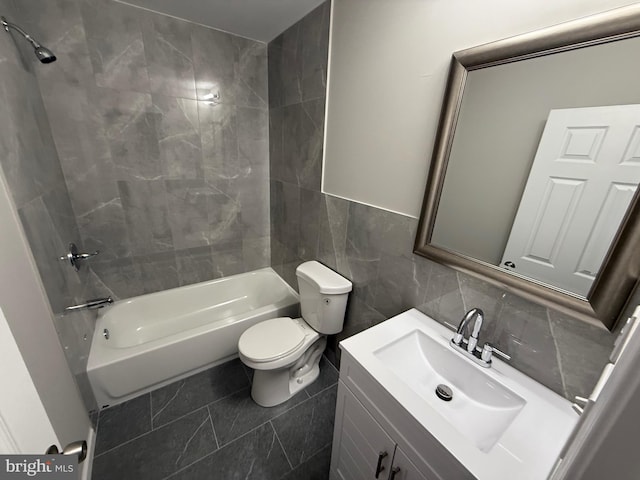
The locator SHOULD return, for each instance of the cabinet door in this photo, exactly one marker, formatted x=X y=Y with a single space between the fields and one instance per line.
x=359 y=443
x=404 y=469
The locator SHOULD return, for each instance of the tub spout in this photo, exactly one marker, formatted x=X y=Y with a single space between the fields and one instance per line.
x=91 y=304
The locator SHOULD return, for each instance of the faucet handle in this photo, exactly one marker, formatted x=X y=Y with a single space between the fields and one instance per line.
x=487 y=352
x=471 y=345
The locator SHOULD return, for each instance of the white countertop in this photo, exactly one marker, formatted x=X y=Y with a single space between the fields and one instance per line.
x=528 y=447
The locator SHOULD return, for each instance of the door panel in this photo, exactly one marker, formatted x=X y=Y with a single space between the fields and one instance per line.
x=582 y=180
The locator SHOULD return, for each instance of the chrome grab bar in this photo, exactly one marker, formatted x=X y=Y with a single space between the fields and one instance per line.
x=91 y=304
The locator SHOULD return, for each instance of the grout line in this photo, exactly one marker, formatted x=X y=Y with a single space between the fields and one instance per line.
x=331 y=365
x=265 y=422
x=150 y=431
x=289 y=409
x=215 y=451
x=227 y=396
x=330 y=444
x=220 y=447
x=281 y=445
x=324 y=389
x=121 y=444
x=309 y=396
x=206 y=405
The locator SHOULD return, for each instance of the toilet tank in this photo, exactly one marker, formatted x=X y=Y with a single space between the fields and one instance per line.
x=323 y=297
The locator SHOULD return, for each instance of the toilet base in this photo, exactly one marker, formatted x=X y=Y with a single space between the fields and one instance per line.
x=273 y=387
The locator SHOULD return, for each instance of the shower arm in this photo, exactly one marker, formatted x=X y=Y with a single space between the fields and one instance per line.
x=8 y=25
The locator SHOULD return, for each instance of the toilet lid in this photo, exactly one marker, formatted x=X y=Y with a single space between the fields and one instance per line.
x=271 y=339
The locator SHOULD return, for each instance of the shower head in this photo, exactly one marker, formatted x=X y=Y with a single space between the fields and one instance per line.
x=43 y=53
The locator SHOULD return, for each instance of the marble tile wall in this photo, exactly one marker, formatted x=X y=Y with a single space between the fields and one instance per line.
x=32 y=169
x=170 y=187
x=373 y=247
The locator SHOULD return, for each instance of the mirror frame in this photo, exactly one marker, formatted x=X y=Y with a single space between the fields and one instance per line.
x=620 y=271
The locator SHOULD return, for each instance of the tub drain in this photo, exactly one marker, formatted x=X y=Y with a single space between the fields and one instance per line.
x=444 y=392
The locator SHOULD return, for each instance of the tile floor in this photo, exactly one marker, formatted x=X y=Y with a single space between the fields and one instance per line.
x=207 y=427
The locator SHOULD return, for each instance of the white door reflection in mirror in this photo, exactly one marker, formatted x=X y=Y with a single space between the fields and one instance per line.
x=582 y=180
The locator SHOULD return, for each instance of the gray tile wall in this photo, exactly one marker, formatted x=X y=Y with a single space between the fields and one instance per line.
x=33 y=172
x=373 y=247
x=170 y=188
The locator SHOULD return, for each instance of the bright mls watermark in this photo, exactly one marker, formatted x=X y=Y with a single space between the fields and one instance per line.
x=51 y=467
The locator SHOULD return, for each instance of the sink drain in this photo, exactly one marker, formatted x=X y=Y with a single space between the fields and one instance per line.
x=444 y=392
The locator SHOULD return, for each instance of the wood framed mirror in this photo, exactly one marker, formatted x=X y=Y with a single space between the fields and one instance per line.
x=533 y=179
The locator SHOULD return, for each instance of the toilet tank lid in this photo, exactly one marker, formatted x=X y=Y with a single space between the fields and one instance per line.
x=327 y=280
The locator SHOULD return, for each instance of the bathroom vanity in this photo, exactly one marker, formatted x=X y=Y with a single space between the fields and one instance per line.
x=391 y=424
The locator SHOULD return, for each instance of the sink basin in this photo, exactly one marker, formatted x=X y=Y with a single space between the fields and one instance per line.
x=500 y=424
x=480 y=408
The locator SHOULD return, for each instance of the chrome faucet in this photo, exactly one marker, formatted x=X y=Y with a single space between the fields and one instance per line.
x=463 y=328
x=469 y=346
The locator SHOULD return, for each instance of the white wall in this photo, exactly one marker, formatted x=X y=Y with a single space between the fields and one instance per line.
x=387 y=70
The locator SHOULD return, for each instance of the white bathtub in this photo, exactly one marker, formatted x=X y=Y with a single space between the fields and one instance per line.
x=161 y=337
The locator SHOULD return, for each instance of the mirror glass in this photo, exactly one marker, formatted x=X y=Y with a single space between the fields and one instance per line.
x=544 y=164
x=533 y=182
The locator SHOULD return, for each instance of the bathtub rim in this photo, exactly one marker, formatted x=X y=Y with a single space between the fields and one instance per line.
x=123 y=353
x=191 y=285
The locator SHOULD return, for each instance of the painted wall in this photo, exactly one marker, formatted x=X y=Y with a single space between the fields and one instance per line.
x=171 y=189
x=255 y=19
x=389 y=63
x=373 y=247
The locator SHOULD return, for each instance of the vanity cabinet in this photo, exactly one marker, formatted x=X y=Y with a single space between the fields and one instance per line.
x=375 y=438
x=366 y=451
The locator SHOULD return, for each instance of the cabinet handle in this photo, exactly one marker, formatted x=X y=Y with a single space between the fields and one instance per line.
x=394 y=470
x=380 y=467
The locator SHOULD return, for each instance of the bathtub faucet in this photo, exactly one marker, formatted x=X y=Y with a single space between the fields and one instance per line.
x=91 y=304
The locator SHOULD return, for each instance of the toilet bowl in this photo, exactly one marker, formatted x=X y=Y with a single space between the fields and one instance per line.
x=285 y=352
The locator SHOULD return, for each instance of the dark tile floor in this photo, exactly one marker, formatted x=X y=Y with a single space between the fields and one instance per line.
x=207 y=427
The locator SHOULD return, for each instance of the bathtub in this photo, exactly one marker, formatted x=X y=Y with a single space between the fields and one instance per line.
x=158 y=338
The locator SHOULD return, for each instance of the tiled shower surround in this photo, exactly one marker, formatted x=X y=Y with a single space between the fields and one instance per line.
x=374 y=248
x=35 y=178
x=135 y=159
x=169 y=184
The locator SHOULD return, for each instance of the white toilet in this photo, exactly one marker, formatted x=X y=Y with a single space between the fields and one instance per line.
x=285 y=352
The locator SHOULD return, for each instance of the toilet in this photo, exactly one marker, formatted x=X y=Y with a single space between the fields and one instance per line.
x=285 y=352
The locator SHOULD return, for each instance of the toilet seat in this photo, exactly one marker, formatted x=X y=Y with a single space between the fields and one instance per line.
x=271 y=340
